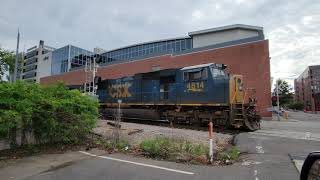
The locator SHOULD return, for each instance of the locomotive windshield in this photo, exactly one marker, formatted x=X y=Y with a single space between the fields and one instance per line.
x=218 y=72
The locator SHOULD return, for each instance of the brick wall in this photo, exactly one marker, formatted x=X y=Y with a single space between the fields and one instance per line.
x=251 y=60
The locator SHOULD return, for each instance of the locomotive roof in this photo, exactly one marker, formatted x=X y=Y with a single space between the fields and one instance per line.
x=222 y=66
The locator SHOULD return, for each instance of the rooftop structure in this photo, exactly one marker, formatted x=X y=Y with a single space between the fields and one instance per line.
x=68 y=58
x=195 y=41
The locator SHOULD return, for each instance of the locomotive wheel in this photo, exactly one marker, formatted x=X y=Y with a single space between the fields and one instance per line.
x=252 y=125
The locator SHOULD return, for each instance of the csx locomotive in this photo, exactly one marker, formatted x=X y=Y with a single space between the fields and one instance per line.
x=193 y=95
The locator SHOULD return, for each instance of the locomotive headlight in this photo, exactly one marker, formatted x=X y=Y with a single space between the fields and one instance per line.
x=240 y=87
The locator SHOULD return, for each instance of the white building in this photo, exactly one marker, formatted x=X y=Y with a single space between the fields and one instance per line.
x=37 y=63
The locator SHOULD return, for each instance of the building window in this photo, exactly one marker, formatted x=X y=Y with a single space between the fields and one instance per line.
x=188 y=43
x=183 y=45
x=64 y=66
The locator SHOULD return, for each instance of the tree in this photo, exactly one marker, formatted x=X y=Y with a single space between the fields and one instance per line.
x=285 y=92
x=7 y=62
x=296 y=105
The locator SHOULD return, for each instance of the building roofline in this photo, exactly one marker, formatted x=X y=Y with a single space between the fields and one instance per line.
x=306 y=70
x=314 y=66
x=190 y=34
x=73 y=46
x=148 y=42
x=224 y=28
x=196 y=66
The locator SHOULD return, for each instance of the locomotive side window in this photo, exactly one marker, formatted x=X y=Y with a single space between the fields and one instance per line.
x=195 y=75
x=185 y=76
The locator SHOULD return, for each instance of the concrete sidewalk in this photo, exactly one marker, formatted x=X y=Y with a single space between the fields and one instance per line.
x=30 y=166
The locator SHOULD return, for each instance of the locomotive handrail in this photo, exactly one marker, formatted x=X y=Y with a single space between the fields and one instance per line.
x=244 y=97
x=234 y=96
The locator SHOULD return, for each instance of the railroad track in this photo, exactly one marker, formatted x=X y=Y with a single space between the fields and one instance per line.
x=196 y=127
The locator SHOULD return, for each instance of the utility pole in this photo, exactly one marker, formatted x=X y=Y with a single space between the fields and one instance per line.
x=278 y=106
x=17 y=59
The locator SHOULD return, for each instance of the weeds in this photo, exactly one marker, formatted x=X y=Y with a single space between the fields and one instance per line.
x=175 y=149
x=110 y=145
x=229 y=155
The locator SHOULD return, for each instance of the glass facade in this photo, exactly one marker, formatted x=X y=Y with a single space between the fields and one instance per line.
x=68 y=57
x=160 y=47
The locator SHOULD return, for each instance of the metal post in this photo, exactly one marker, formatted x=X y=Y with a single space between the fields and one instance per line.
x=210 y=142
x=17 y=59
x=119 y=110
x=278 y=106
x=117 y=123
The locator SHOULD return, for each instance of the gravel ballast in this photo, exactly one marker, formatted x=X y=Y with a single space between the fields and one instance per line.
x=140 y=132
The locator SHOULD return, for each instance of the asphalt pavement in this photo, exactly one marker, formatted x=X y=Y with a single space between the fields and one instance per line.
x=266 y=154
x=278 y=144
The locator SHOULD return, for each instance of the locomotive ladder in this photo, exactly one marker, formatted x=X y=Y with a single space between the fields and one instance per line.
x=237 y=111
x=240 y=119
x=238 y=114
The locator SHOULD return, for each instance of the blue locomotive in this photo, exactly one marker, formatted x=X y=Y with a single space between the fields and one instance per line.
x=190 y=95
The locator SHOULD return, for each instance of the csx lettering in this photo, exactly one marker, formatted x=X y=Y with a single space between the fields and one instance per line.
x=120 y=90
x=195 y=86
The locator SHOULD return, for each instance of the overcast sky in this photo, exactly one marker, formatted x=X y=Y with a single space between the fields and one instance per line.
x=292 y=26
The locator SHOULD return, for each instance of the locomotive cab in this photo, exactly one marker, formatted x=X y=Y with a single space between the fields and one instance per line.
x=205 y=84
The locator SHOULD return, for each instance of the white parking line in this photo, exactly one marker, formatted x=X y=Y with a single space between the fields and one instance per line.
x=256 y=174
x=139 y=164
x=259 y=150
x=289 y=134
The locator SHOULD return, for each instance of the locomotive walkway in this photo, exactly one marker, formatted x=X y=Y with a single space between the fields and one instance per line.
x=268 y=154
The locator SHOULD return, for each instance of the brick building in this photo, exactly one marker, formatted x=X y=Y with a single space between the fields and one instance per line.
x=307 y=88
x=242 y=48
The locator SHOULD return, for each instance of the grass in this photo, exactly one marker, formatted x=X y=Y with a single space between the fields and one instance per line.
x=175 y=149
x=161 y=147
x=110 y=145
x=231 y=155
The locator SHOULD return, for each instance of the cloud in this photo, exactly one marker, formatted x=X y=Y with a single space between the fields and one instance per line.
x=295 y=46
x=291 y=27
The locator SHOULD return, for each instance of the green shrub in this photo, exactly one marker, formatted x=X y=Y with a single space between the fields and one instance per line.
x=52 y=113
x=174 y=149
